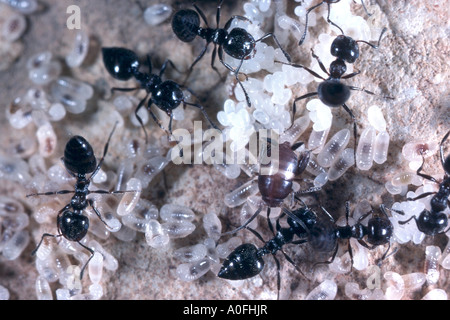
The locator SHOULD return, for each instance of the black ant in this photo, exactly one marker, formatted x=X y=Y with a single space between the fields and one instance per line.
x=237 y=43
x=323 y=236
x=123 y=64
x=331 y=91
x=328 y=2
x=246 y=261
x=434 y=221
x=79 y=160
x=346 y=48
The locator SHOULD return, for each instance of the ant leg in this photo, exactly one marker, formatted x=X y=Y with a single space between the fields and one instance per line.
x=297 y=145
x=288 y=57
x=421 y=196
x=441 y=151
x=321 y=65
x=385 y=255
x=347 y=211
x=350 y=252
x=294 y=106
x=149 y=63
x=361 y=218
x=406 y=221
x=218 y=14
x=157 y=121
x=269 y=223
x=332 y=257
x=213 y=59
x=309 y=190
x=112 y=192
x=105 y=151
x=200 y=12
x=351 y=75
x=256 y=233
x=329 y=21
x=202 y=109
x=124 y=89
x=42 y=238
x=170 y=114
x=242 y=18
x=50 y=193
x=368 y=92
x=302 y=39
x=303 y=160
x=296 y=219
x=164 y=66
x=51 y=235
x=295 y=65
x=236 y=73
x=328 y=214
x=85 y=265
x=277 y=262
x=289 y=259
x=365 y=9
x=425 y=176
x=91 y=203
x=200 y=56
x=139 y=119
x=245 y=224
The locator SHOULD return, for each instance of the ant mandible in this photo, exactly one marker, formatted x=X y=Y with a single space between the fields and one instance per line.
x=79 y=160
x=237 y=43
x=123 y=64
x=328 y=2
x=434 y=221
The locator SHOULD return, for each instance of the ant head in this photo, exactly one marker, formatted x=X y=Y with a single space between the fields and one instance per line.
x=79 y=156
x=345 y=48
x=73 y=226
x=431 y=223
x=167 y=95
x=243 y=263
x=185 y=25
x=121 y=63
x=239 y=44
x=379 y=230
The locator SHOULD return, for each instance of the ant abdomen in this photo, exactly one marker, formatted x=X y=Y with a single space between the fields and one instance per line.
x=333 y=93
x=79 y=156
x=121 y=63
x=185 y=25
x=73 y=226
x=243 y=263
x=322 y=237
